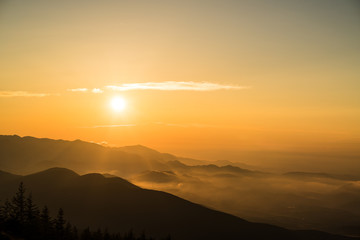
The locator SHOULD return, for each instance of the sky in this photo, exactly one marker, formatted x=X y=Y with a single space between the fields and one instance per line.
x=205 y=79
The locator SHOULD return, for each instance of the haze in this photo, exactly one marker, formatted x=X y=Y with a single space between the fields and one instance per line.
x=296 y=61
x=248 y=98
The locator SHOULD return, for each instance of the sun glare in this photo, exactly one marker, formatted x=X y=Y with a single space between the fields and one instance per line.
x=118 y=104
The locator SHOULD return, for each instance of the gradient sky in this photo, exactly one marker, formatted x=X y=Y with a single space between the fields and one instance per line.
x=225 y=76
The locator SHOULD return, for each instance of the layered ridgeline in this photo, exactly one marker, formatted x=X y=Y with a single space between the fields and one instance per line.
x=296 y=200
x=95 y=201
x=24 y=155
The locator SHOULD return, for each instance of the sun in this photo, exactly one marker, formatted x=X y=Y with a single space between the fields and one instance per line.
x=118 y=104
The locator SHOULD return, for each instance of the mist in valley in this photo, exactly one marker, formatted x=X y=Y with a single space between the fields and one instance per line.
x=295 y=200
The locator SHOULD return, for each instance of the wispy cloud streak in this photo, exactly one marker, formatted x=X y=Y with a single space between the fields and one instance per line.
x=188 y=125
x=78 y=90
x=8 y=94
x=94 y=90
x=112 y=126
x=97 y=90
x=174 y=86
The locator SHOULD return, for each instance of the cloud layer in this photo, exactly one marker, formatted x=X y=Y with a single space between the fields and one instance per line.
x=97 y=90
x=174 y=86
x=94 y=90
x=112 y=126
x=162 y=86
x=78 y=90
x=8 y=94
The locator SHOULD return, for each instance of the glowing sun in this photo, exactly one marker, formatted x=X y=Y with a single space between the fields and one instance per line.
x=118 y=104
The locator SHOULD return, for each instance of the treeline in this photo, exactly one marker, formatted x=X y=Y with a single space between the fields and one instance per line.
x=21 y=218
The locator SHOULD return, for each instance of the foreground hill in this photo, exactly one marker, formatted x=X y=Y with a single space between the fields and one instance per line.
x=295 y=200
x=95 y=201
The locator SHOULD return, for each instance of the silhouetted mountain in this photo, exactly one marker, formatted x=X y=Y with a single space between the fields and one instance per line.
x=5 y=176
x=107 y=175
x=220 y=163
x=21 y=218
x=95 y=201
x=158 y=177
x=148 y=153
x=25 y=155
x=212 y=169
x=321 y=175
x=299 y=200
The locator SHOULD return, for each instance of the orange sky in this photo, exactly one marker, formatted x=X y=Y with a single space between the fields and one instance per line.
x=197 y=76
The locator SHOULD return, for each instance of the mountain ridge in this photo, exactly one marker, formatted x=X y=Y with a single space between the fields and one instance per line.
x=141 y=209
x=295 y=201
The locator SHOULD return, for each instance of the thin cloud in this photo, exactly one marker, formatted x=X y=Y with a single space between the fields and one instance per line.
x=94 y=90
x=78 y=90
x=174 y=86
x=8 y=94
x=112 y=126
x=97 y=90
x=188 y=125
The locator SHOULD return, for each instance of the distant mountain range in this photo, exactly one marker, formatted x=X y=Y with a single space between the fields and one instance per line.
x=27 y=154
x=114 y=203
x=294 y=200
x=23 y=155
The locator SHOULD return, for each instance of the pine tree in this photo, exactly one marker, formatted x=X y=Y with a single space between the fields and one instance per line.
x=18 y=203
x=98 y=235
x=31 y=211
x=142 y=236
x=68 y=234
x=117 y=236
x=20 y=219
x=45 y=221
x=129 y=235
x=8 y=214
x=32 y=217
x=75 y=234
x=168 y=237
x=86 y=234
x=60 y=223
x=2 y=215
x=106 y=235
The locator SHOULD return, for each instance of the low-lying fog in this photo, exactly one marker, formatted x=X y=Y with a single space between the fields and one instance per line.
x=293 y=200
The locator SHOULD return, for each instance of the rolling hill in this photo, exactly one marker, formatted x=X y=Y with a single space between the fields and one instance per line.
x=294 y=200
x=114 y=203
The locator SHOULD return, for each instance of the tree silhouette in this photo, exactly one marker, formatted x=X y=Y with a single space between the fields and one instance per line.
x=31 y=210
x=106 y=235
x=20 y=219
x=60 y=223
x=45 y=222
x=7 y=211
x=18 y=202
x=75 y=235
x=86 y=234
